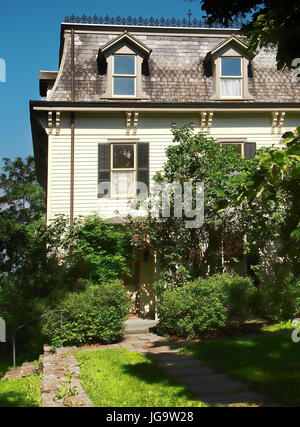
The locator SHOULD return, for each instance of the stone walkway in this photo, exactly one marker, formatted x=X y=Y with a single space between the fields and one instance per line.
x=61 y=386
x=209 y=386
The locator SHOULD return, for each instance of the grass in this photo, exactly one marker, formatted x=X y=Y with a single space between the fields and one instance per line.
x=269 y=363
x=119 y=378
x=24 y=392
x=4 y=365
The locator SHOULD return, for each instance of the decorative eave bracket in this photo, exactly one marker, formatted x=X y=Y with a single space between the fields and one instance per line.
x=132 y=120
x=128 y=123
x=277 y=121
x=206 y=119
x=54 y=127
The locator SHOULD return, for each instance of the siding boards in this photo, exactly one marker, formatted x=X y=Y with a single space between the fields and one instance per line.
x=95 y=129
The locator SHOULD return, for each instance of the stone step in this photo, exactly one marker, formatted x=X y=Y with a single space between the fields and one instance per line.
x=136 y=331
x=223 y=387
x=138 y=326
x=175 y=364
x=235 y=397
x=28 y=369
x=13 y=374
x=204 y=379
x=187 y=372
x=169 y=356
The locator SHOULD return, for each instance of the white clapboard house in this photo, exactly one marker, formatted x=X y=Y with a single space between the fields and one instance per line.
x=106 y=115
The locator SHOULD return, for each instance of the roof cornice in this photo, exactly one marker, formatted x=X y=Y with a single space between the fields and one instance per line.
x=162 y=107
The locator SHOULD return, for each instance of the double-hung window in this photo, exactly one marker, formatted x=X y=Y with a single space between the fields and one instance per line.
x=231 y=77
x=123 y=170
x=124 y=75
x=238 y=146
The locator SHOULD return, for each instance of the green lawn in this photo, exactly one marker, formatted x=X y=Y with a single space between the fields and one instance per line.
x=119 y=378
x=24 y=392
x=269 y=362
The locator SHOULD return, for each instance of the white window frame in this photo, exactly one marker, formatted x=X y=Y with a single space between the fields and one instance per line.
x=233 y=142
x=134 y=76
x=241 y=78
x=113 y=170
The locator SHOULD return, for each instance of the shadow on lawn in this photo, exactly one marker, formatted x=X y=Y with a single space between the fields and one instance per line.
x=12 y=399
x=150 y=373
x=268 y=363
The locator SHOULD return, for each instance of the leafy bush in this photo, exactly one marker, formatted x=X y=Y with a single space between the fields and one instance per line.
x=280 y=297
x=205 y=306
x=95 y=315
x=97 y=251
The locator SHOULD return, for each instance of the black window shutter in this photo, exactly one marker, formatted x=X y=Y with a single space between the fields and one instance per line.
x=143 y=163
x=103 y=168
x=250 y=150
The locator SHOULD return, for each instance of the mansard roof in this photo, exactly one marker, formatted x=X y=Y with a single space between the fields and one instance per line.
x=177 y=70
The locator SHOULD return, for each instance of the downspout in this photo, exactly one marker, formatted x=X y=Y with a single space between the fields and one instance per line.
x=72 y=127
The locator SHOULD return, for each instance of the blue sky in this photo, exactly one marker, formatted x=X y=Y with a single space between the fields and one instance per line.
x=29 y=42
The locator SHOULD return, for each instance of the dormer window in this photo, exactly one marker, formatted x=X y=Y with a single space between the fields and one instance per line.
x=229 y=62
x=231 y=77
x=124 y=75
x=123 y=62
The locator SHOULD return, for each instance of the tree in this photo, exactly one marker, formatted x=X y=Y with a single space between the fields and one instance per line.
x=266 y=22
x=274 y=185
x=22 y=203
x=22 y=197
x=190 y=253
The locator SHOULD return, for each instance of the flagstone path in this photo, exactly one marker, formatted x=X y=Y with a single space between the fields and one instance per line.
x=209 y=386
x=61 y=371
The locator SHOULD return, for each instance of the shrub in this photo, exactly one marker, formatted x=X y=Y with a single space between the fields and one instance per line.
x=205 y=306
x=236 y=293
x=96 y=315
x=97 y=251
x=280 y=297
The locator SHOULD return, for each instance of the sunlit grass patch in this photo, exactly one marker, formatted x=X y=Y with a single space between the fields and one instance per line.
x=118 y=377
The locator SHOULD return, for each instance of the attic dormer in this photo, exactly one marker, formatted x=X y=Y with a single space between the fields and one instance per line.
x=230 y=64
x=124 y=60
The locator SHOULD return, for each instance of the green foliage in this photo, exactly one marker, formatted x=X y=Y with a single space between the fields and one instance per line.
x=120 y=378
x=266 y=22
x=24 y=392
x=279 y=294
x=22 y=202
x=97 y=251
x=23 y=198
x=187 y=253
x=96 y=315
x=205 y=306
x=270 y=190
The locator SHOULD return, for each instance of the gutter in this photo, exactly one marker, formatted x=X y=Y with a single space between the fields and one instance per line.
x=167 y=108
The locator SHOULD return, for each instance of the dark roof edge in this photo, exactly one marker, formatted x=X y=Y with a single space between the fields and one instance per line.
x=56 y=105
x=141 y=29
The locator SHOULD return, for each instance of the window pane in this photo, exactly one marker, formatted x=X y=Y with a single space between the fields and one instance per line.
x=231 y=67
x=231 y=87
x=123 y=156
x=124 y=85
x=237 y=147
x=124 y=64
x=123 y=183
